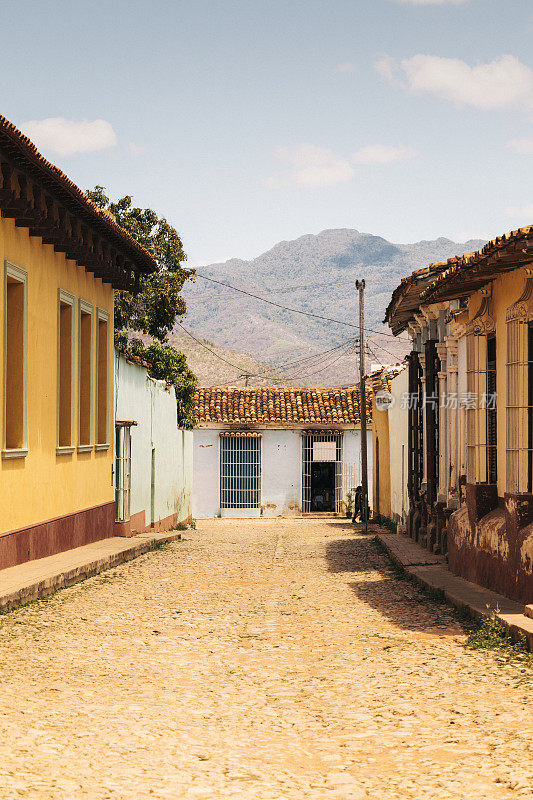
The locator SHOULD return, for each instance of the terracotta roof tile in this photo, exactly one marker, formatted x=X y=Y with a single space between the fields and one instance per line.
x=233 y=405
x=461 y=275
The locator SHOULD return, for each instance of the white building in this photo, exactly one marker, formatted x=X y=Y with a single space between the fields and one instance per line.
x=153 y=457
x=272 y=452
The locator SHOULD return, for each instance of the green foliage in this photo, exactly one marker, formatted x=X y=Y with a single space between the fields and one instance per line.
x=491 y=634
x=165 y=363
x=153 y=310
x=348 y=503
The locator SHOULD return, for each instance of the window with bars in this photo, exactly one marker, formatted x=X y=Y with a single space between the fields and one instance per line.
x=240 y=471
x=477 y=424
x=530 y=407
x=492 y=443
x=432 y=367
x=518 y=415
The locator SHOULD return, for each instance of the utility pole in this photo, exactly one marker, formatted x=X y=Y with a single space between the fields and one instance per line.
x=246 y=376
x=360 y=285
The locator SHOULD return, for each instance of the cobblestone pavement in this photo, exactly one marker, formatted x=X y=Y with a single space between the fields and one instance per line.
x=264 y=660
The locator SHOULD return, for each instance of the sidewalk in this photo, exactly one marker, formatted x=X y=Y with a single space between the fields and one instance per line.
x=43 y=576
x=431 y=572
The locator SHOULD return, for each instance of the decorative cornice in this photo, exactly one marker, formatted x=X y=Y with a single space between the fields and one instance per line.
x=483 y=323
x=442 y=351
x=451 y=346
x=522 y=308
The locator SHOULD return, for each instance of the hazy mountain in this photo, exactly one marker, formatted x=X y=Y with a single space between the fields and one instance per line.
x=314 y=273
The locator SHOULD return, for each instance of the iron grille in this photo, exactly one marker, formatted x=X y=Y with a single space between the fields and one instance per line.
x=240 y=471
x=321 y=448
x=492 y=439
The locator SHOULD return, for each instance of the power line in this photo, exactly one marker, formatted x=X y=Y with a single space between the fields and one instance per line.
x=323 y=369
x=293 y=310
x=220 y=358
x=380 y=347
x=315 y=355
x=242 y=371
x=284 y=289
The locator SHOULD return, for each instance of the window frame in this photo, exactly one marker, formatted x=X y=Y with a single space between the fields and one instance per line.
x=84 y=307
x=491 y=414
x=20 y=276
x=232 y=474
x=67 y=299
x=105 y=316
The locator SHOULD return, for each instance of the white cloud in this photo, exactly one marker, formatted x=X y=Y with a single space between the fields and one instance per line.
x=311 y=166
x=386 y=66
x=66 y=137
x=524 y=214
x=432 y=2
x=500 y=84
x=522 y=146
x=347 y=67
x=382 y=154
x=134 y=149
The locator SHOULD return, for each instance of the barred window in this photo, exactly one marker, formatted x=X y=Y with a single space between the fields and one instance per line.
x=476 y=414
x=240 y=471
x=491 y=413
x=517 y=446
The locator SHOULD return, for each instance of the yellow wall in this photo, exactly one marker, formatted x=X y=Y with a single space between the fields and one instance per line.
x=44 y=485
x=505 y=291
x=380 y=423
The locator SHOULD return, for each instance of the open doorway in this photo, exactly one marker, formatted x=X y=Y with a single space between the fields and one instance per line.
x=323 y=486
x=321 y=471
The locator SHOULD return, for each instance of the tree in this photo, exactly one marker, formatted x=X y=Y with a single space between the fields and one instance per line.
x=165 y=363
x=153 y=310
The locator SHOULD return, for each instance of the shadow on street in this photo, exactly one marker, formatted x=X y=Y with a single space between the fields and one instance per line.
x=377 y=585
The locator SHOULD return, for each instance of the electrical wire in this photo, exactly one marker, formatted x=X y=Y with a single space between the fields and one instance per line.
x=242 y=370
x=284 y=289
x=315 y=355
x=293 y=310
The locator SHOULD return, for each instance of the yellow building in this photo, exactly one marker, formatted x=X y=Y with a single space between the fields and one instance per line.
x=384 y=468
x=471 y=428
x=61 y=257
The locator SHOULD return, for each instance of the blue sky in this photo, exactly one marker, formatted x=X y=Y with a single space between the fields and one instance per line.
x=246 y=122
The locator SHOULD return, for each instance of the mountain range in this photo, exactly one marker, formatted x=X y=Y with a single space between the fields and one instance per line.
x=315 y=274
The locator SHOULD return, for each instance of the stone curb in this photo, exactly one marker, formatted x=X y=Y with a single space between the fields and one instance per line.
x=462 y=594
x=61 y=580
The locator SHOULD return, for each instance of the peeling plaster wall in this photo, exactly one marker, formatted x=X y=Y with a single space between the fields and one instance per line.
x=492 y=553
x=281 y=469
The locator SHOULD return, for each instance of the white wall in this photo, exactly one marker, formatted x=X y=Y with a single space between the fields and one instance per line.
x=398 y=441
x=281 y=470
x=206 y=486
x=153 y=406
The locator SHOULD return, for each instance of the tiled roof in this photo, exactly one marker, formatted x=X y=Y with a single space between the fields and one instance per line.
x=26 y=156
x=462 y=275
x=405 y=301
x=380 y=379
x=231 y=405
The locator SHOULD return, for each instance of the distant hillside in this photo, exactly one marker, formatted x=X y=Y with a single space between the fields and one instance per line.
x=213 y=366
x=315 y=273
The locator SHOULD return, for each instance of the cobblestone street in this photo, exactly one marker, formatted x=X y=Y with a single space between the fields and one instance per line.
x=257 y=659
